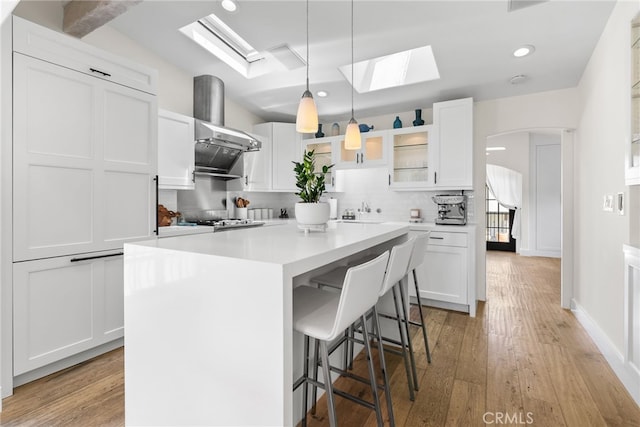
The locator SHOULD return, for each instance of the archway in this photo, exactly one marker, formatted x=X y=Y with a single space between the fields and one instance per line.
x=566 y=251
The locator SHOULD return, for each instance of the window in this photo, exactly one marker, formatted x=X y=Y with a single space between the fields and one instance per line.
x=499 y=221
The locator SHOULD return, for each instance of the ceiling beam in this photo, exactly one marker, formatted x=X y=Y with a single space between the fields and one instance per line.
x=83 y=16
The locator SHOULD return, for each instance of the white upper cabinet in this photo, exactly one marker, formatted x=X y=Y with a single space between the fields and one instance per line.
x=371 y=154
x=286 y=149
x=271 y=168
x=83 y=169
x=70 y=52
x=452 y=145
x=410 y=158
x=176 y=151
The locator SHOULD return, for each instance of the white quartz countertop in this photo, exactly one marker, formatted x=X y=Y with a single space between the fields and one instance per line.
x=283 y=244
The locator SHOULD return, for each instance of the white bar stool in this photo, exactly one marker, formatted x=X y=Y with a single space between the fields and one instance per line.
x=396 y=270
x=417 y=258
x=324 y=316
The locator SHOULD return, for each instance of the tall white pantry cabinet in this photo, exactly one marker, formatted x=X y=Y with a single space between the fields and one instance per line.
x=84 y=171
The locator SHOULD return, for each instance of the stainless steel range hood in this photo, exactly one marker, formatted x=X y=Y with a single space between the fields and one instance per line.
x=218 y=148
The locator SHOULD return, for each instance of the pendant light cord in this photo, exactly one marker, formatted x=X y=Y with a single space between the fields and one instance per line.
x=352 y=82
x=307 y=44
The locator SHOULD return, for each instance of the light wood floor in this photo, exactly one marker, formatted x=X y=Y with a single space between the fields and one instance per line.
x=522 y=358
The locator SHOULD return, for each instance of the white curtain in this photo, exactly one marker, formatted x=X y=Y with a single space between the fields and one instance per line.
x=506 y=186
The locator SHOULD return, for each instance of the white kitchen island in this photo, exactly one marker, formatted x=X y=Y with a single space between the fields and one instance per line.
x=208 y=320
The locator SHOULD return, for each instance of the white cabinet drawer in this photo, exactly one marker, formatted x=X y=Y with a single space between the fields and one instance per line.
x=443 y=238
x=64 y=306
x=57 y=48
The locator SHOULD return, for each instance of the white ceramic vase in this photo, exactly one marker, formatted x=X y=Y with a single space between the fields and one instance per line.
x=312 y=215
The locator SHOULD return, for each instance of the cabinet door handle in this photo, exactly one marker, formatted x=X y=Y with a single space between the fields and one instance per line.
x=93 y=70
x=155 y=178
x=193 y=176
x=333 y=181
x=87 y=258
x=435 y=177
x=389 y=179
x=246 y=180
x=436 y=238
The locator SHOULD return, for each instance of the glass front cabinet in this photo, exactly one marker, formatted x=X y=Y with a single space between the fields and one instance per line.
x=324 y=154
x=372 y=153
x=409 y=157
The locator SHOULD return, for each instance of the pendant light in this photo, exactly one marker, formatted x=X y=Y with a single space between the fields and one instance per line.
x=307 y=117
x=352 y=140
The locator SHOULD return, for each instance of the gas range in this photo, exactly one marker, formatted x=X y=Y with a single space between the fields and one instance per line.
x=229 y=224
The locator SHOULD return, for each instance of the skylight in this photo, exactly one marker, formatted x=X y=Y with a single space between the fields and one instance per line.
x=397 y=69
x=220 y=40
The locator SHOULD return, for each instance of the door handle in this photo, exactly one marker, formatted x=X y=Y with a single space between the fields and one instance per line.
x=93 y=70
x=87 y=258
x=155 y=178
x=436 y=238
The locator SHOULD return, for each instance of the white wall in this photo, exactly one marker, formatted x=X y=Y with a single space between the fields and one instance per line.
x=600 y=157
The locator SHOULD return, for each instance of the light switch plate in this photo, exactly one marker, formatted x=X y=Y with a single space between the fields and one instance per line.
x=607 y=204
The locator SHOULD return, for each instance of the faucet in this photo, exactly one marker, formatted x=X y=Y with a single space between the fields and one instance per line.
x=364 y=208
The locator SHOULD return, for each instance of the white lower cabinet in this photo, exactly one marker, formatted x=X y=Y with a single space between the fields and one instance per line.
x=446 y=277
x=63 y=306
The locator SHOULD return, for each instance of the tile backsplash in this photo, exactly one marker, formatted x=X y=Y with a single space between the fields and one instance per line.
x=357 y=186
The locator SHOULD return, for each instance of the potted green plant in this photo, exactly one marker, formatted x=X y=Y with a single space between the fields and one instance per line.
x=310 y=211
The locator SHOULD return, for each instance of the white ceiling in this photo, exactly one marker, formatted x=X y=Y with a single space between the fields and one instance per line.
x=472 y=42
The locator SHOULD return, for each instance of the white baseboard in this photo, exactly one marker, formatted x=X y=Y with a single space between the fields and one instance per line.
x=535 y=252
x=629 y=377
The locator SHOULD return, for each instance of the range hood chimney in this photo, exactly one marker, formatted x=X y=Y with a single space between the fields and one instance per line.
x=218 y=148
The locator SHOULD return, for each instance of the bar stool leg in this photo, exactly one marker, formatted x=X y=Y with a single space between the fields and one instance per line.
x=383 y=366
x=351 y=344
x=305 y=389
x=405 y=315
x=412 y=396
x=372 y=372
x=328 y=386
x=424 y=327
x=345 y=352
x=314 y=390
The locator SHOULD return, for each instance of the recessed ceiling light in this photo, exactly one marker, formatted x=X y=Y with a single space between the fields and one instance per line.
x=229 y=5
x=520 y=78
x=322 y=93
x=525 y=50
x=496 y=148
